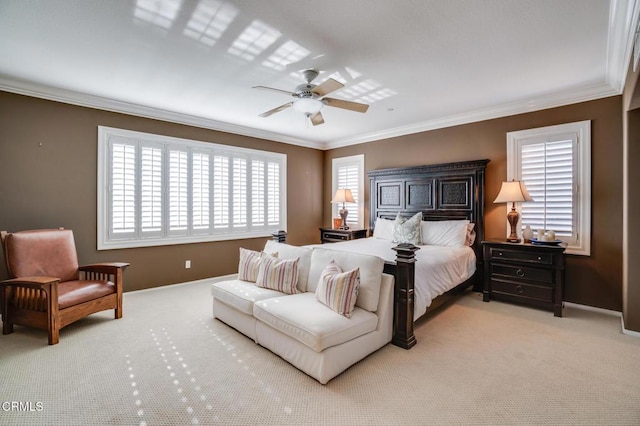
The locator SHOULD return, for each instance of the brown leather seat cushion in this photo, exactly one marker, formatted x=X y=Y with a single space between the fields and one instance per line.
x=72 y=293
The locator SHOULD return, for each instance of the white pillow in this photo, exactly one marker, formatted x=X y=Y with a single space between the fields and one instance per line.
x=451 y=233
x=383 y=229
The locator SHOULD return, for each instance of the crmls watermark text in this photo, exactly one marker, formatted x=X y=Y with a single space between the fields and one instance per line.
x=22 y=406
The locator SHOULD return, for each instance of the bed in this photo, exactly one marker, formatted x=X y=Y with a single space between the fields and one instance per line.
x=440 y=192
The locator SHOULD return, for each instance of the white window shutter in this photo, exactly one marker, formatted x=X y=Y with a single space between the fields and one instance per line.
x=200 y=191
x=258 y=201
x=123 y=188
x=178 y=190
x=220 y=192
x=239 y=192
x=273 y=194
x=547 y=171
x=151 y=190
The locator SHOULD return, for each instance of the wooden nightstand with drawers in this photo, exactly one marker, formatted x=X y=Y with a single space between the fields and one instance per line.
x=328 y=235
x=527 y=274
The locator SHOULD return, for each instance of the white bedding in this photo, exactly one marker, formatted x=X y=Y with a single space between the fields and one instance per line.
x=438 y=268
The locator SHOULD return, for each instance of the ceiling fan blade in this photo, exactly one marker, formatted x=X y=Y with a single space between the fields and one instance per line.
x=277 y=109
x=317 y=119
x=327 y=87
x=339 y=103
x=285 y=92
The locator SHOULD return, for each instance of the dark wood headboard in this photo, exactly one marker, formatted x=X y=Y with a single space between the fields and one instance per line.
x=441 y=192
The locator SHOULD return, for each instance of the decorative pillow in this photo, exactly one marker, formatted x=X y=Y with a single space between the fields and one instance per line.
x=249 y=265
x=407 y=230
x=338 y=290
x=383 y=229
x=451 y=233
x=471 y=235
x=278 y=274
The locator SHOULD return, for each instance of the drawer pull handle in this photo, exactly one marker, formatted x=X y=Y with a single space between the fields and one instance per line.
x=539 y=257
x=499 y=253
x=520 y=273
x=519 y=289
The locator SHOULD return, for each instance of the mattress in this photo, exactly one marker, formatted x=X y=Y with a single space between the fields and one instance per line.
x=438 y=268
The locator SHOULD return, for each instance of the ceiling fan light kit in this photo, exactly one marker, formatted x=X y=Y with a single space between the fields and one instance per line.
x=311 y=100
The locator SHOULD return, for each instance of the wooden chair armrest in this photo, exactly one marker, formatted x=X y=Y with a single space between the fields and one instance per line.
x=104 y=268
x=33 y=282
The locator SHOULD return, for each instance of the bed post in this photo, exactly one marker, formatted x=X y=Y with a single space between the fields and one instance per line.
x=279 y=236
x=404 y=288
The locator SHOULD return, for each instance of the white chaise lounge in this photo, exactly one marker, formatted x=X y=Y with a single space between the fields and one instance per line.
x=299 y=328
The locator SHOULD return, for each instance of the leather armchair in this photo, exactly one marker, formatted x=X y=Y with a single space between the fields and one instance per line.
x=47 y=288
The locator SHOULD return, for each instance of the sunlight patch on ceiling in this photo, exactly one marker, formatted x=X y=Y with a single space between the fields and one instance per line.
x=209 y=21
x=290 y=52
x=254 y=40
x=158 y=12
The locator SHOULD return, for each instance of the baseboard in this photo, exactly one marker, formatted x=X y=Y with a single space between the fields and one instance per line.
x=210 y=280
x=606 y=312
x=594 y=309
x=628 y=332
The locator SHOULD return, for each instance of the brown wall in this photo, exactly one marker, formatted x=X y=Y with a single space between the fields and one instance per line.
x=631 y=108
x=48 y=178
x=595 y=280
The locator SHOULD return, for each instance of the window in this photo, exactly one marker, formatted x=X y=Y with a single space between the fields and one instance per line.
x=348 y=173
x=555 y=164
x=157 y=190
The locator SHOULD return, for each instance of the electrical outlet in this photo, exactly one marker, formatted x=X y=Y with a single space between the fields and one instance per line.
x=187 y=264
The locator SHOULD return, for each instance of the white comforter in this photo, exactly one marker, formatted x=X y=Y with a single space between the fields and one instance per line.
x=438 y=268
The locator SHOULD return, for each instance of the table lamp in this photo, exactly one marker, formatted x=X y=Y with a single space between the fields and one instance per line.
x=343 y=196
x=513 y=192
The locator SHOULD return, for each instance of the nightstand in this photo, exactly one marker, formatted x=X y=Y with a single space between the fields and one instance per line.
x=527 y=274
x=329 y=235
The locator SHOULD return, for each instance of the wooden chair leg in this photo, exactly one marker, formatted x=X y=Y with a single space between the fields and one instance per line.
x=53 y=323
x=7 y=325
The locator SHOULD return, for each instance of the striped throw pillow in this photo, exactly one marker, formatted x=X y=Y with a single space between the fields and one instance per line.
x=249 y=265
x=278 y=274
x=338 y=290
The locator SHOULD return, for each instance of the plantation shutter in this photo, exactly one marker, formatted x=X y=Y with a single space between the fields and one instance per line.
x=239 y=192
x=548 y=173
x=151 y=190
x=123 y=188
x=273 y=193
x=220 y=192
x=258 y=201
x=200 y=191
x=348 y=177
x=178 y=187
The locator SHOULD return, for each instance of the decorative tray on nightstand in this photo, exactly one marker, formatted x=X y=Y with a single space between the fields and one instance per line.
x=546 y=243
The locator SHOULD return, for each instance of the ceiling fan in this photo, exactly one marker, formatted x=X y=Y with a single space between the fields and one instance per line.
x=311 y=98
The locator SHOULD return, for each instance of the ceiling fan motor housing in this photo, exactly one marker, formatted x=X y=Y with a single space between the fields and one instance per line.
x=305 y=91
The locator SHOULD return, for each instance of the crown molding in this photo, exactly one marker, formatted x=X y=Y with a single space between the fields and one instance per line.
x=623 y=20
x=553 y=100
x=99 y=102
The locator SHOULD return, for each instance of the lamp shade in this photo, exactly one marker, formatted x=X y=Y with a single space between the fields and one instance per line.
x=343 y=196
x=513 y=191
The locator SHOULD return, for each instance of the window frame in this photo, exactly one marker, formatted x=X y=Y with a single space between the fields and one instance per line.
x=106 y=241
x=581 y=133
x=353 y=160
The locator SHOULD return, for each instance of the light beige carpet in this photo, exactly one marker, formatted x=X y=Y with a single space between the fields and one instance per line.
x=167 y=361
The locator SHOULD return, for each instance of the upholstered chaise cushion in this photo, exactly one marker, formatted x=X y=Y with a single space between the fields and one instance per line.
x=241 y=294
x=42 y=253
x=303 y=318
x=71 y=293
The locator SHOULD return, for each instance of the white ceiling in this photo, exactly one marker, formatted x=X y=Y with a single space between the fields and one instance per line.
x=420 y=64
